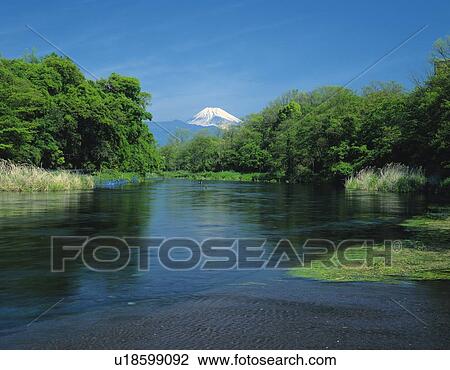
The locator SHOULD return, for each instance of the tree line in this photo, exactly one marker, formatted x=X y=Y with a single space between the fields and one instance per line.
x=53 y=117
x=332 y=132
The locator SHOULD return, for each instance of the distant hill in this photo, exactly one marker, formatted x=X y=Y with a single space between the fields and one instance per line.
x=162 y=130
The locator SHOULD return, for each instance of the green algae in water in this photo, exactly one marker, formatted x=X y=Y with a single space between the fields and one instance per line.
x=430 y=262
x=431 y=229
x=407 y=264
x=437 y=219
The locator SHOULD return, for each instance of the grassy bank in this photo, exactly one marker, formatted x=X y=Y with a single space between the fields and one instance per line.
x=407 y=264
x=114 y=176
x=218 y=176
x=391 y=178
x=25 y=178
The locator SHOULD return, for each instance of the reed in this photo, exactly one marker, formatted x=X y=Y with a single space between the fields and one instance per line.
x=392 y=177
x=27 y=178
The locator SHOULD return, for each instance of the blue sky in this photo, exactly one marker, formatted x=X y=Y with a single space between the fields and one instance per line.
x=237 y=54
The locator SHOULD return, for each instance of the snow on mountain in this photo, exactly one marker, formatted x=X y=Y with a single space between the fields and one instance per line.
x=214 y=117
x=209 y=120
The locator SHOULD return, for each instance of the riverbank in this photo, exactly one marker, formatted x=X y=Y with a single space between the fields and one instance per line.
x=112 y=178
x=393 y=178
x=214 y=176
x=25 y=178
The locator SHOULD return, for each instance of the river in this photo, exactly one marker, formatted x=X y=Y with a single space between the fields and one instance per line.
x=234 y=308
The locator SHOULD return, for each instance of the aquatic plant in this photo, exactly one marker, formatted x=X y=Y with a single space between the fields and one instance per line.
x=393 y=177
x=437 y=219
x=444 y=186
x=407 y=264
x=27 y=178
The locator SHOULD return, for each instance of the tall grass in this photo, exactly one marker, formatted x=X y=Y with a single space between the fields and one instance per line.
x=26 y=178
x=391 y=178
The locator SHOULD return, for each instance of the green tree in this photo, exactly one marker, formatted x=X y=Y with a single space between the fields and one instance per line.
x=52 y=116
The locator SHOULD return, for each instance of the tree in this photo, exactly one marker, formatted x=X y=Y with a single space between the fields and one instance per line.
x=52 y=116
x=331 y=132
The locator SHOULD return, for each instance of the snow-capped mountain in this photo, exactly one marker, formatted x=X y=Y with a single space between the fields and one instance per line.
x=214 y=117
x=209 y=120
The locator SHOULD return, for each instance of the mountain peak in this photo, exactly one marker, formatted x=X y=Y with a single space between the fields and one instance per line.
x=212 y=116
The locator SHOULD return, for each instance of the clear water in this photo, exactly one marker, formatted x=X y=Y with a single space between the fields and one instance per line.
x=170 y=208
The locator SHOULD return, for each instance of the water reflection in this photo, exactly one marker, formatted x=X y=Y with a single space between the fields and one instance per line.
x=29 y=204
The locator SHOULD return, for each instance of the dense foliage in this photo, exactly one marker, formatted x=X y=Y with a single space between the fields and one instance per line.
x=53 y=117
x=332 y=132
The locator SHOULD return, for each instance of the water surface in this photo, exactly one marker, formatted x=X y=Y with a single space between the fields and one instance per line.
x=181 y=208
